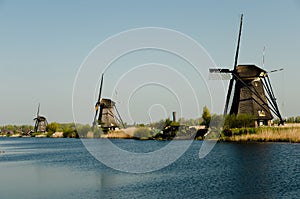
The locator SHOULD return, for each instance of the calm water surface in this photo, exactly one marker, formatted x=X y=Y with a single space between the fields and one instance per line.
x=62 y=168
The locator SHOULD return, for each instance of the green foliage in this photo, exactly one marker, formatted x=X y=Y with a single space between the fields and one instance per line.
x=49 y=134
x=243 y=131
x=158 y=125
x=206 y=116
x=276 y=121
x=293 y=119
x=290 y=120
x=182 y=121
x=190 y=122
x=12 y=128
x=217 y=121
x=227 y=132
x=83 y=130
x=168 y=127
x=52 y=127
x=239 y=121
x=69 y=131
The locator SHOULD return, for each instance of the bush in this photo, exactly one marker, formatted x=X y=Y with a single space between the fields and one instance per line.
x=227 y=132
x=52 y=127
x=83 y=130
x=290 y=120
x=239 y=121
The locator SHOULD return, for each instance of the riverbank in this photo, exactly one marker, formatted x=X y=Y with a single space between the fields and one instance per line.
x=287 y=133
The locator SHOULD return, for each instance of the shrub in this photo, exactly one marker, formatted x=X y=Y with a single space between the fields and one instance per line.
x=83 y=130
x=52 y=127
x=239 y=121
x=227 y=132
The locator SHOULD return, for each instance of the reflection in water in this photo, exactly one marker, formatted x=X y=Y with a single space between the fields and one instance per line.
x=62 y=168
x=251 y=168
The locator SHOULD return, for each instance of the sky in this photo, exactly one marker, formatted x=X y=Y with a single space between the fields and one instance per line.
x=44 y=44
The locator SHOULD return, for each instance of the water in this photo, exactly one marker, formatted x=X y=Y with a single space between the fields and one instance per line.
x=62 y=168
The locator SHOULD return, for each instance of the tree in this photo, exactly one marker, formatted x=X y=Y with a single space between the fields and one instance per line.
x=52 y=127
x=206 y=116
x=290 y=120
x=297 y=119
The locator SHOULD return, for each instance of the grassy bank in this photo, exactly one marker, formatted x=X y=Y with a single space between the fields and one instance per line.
x=265 y=134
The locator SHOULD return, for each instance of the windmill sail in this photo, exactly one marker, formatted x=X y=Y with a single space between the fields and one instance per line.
x=234 y=67
x=97 y=105
x=219 y=74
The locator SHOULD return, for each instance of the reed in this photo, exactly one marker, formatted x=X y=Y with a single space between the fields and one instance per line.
x=268 y=134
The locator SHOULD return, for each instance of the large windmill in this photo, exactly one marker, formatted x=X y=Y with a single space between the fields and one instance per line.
x=252 y=93
x=105 y=115
x=40 y=122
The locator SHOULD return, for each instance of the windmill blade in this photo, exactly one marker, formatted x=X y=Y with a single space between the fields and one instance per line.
x=219 y=74
x=120 y=119
x=234 y=67
x=228 y=96
x=38 y=111
x=276 y=70
x=97 y=105
x=238 y=43
x=100 y=91
x=99 y=97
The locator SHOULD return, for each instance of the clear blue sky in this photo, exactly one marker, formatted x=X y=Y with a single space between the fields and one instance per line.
x=43 y=44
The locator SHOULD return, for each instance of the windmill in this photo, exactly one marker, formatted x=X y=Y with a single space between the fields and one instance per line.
x=105 y=112
x=252 y=94
x=40 y=122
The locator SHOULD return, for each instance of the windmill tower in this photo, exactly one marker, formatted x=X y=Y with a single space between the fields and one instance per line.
x=40 y=122
x=253 y=93
x=106 y=112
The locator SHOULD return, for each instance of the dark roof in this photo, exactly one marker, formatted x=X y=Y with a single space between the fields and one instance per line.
x=40 y=118
x=108 y=103
x=250 y=71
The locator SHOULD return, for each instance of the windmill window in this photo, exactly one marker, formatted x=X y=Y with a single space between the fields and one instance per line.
x=261 y=113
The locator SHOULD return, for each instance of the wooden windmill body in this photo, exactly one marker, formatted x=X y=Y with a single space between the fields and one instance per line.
x=253 y=93
x=108 y=114
x=249 y=96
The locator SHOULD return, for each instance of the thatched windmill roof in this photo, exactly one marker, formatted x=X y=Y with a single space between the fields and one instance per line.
x=250 y=71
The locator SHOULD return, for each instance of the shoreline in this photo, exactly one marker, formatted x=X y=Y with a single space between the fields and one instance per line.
x=289 y=133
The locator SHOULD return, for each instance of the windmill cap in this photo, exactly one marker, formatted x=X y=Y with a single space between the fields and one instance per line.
x=250 y=71
x=107 y=102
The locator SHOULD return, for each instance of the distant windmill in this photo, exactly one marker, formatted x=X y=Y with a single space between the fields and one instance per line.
x=40 y=122
x=106 y=112
x=251 y=84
